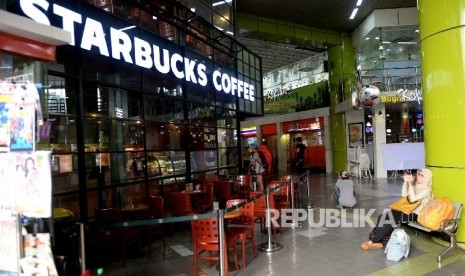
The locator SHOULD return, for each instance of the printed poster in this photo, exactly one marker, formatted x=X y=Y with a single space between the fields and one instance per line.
x=32 y=183
x=18 y=105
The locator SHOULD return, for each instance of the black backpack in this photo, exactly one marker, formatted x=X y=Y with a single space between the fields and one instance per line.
x=263 y=160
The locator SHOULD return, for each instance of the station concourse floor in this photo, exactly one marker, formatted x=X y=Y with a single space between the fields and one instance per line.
x=310 y=250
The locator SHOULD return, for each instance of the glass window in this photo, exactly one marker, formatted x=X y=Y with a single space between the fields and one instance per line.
x=162 y=136
x=17 y=68
x=225 y=118
x=59 y=96
x=202 y=115
x=228 y=157
x=163 y=110
x=227 y=137
x=204 y=160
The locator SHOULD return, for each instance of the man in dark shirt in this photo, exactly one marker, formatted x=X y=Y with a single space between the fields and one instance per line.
x=299 y=158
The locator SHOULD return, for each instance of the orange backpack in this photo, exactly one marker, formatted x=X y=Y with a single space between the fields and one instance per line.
x=435 y=212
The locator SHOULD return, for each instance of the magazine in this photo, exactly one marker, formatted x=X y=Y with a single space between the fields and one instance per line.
x=32 y=183
x=38 y=257
x=18 y=105
x=8 y=245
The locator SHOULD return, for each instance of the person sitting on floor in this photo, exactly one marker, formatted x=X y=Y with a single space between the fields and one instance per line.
x=344 y=194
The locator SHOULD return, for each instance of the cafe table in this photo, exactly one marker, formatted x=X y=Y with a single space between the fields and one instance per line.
x=134 y=211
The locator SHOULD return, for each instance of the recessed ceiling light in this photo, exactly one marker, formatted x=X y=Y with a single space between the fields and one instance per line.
x=354 y=12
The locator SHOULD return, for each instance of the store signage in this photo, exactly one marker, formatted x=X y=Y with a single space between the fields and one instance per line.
x=403 y=95
x=117 y=44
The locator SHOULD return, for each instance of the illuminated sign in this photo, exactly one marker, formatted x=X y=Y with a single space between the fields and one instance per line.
x=403 y=95
x=115 y=43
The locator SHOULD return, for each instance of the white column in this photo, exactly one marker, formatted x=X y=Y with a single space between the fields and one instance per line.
x=379 y=137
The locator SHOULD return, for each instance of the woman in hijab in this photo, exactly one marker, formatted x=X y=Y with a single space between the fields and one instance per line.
x=421 y=190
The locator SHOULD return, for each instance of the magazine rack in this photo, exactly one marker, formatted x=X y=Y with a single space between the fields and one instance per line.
x=25 y=189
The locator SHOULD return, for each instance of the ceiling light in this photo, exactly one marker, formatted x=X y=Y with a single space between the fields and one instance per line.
x=367 y=38
x=221 y=3
x=386 y=42
x=407 y=42
x=354 y=12
x=359 y=2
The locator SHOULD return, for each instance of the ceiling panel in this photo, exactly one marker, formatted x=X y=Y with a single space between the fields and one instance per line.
x=330 y=15
x=327 y=14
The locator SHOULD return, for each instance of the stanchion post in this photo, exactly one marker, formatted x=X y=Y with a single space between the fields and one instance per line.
x=294 y=224
x=269 y=246
x=221 y=238
x=307 y=179
x=82 y=247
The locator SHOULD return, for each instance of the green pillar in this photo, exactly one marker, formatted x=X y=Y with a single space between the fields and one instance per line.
x=443 y=63
x=342 y=72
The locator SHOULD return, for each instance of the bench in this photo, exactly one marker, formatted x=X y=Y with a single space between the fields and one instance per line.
x=448 y=226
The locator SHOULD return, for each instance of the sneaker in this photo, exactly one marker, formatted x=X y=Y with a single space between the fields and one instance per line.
x=339 y=206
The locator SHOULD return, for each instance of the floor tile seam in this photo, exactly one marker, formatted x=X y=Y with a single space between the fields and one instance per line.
x=425 y=263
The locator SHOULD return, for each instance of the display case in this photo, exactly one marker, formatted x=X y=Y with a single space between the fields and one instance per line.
x=168 y=165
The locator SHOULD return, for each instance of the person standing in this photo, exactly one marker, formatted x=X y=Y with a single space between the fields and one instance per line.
x=298 y=162
x=257 y=167
x=246 y=160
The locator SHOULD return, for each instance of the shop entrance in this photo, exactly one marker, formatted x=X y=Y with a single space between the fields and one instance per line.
x=315 y=158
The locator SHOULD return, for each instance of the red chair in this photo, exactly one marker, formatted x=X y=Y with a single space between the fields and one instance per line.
x=223 y=191
x=180 y=205
x=244 y=184
x=296 y=187
x=205 y=235
x=156 y=210
x=205 y=202
x=112 y=238
x=282 y=196
x=243 y=226
x=260 y=210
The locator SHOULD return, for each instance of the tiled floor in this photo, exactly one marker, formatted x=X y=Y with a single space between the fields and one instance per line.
x=312 y=249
